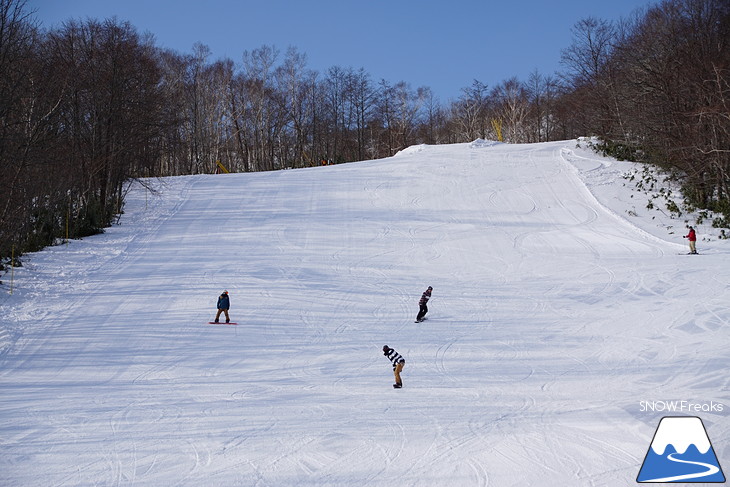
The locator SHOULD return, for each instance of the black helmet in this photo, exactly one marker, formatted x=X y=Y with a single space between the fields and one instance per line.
x=386 y=348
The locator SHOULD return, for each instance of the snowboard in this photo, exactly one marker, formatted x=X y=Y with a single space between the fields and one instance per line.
x=221 y=323
x=421 y=320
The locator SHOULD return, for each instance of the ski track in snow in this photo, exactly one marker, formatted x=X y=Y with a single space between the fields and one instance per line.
x=553 y=316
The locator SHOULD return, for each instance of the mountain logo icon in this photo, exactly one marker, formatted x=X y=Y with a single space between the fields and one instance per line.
x=680 y=452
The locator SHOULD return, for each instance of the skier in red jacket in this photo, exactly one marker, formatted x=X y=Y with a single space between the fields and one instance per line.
x=692 y=236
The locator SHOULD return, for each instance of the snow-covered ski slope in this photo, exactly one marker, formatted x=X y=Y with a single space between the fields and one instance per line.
x=556 y=316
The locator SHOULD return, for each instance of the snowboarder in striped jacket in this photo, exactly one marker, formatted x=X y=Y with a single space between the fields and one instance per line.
x=398 y=363
x=423 y=309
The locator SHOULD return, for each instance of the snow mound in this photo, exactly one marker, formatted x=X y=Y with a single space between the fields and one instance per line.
x=414 y=149
x=482 y=143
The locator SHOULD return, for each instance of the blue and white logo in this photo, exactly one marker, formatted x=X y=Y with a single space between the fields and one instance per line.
x=680 y=452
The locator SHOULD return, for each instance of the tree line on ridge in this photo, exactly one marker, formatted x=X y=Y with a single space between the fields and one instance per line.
x=90 y=105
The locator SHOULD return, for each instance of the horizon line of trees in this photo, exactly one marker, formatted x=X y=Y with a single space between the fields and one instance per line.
x=88 y=106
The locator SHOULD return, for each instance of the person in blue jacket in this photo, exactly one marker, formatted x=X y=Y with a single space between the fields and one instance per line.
x=224 y=305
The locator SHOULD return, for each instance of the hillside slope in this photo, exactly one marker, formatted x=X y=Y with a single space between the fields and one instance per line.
x=554 y=318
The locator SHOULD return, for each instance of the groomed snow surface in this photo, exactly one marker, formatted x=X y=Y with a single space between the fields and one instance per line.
x=560 y=305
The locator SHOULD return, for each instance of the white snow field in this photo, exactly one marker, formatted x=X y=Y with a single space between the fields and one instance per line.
x=566 y=321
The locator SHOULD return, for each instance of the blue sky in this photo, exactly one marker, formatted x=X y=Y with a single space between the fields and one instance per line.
x=443 y=44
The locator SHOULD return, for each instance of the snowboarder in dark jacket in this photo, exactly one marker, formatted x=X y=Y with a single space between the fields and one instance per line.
x=422 y=304
x=398 y=363
x=224 y=304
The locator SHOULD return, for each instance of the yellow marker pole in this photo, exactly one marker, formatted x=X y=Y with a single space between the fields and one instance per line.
x=222 y=167
x=497 y=126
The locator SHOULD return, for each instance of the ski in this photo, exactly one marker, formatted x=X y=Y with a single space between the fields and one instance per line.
x=221 y=323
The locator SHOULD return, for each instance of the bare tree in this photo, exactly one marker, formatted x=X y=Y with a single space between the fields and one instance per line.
x=511 y=107
x=20 y=122
x=470 y=112
x=294 y=81
x=362 y=100
x=259 y=106
x=587 y=60
x=385 y=119
x=542 y=93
